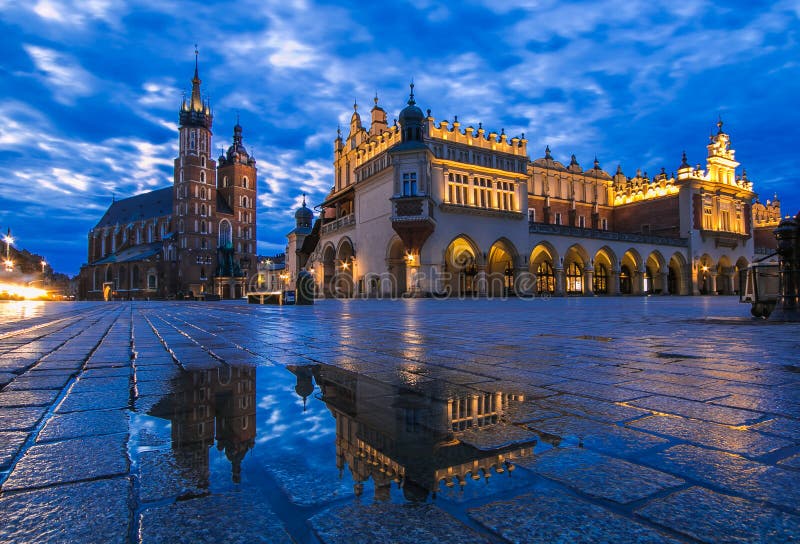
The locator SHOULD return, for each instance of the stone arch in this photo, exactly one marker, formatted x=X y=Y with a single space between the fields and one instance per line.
x=394 y=284
x=500 y=267
x=724 y=283
x=461 y=258
x=630 y=273
x=576 y=261
x=604 y=268
x=676 y=278
x=328 y=268
x=345 y=265
x=654 y=267
x=705 y=279
x=543 y=263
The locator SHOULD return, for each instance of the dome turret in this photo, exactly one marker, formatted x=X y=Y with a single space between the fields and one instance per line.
x=411 y=120
x=303 y=216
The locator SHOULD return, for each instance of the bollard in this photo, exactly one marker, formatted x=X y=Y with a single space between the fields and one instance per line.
x=788 y=304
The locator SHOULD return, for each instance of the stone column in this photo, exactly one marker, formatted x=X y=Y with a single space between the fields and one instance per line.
x=665 y=282
x=613 y=282
x=713 y=284
x=524 y=281
x=481 y=280
x=560 y=278
x=588 y=287
x=638 y=282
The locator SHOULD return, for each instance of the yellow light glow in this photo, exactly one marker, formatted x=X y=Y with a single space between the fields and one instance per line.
x=9 y=265
x=22 y=291
x=705 y=269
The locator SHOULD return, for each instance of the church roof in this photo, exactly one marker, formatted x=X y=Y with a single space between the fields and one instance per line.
x=141 y=207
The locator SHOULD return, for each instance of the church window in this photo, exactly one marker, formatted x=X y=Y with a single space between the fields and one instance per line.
x=193 y=140
x=225 y=233
x=202 y=178
x=225 y=181
x=409 y=183
x=151 y=281
x=203 y=210
x=180 y=175
x=203 y=227
x=203 y=161
x=244 y=182
x=238 y=247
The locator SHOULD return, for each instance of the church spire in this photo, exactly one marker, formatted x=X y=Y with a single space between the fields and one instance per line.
x=196 y=103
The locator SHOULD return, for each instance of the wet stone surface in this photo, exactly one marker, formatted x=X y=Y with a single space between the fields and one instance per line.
x=405 y=422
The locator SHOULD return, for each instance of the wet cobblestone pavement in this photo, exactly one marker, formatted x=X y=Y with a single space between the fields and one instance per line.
x=566 y=420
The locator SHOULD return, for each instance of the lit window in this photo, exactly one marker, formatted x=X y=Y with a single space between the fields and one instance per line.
x=409 y=183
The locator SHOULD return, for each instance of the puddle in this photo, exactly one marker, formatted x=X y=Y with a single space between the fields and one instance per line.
x=303 y=438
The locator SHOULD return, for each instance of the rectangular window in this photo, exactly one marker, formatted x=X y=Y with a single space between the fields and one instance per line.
x=582 y=221
x=558 y=218
x=409 y=184
x=532 y=215
x=605 y=223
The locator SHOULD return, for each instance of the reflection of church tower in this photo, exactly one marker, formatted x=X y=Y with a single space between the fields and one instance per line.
x=211 y=404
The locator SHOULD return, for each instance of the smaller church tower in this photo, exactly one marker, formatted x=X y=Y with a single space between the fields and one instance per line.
x=236 y=210
x=194 y=195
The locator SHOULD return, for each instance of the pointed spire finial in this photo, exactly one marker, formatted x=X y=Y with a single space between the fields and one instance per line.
x=411 y=101
x=596 y=163
x=338 y=132
x=719 y=124
x=355 y=104
x=196 y=53
x=304 y=200
x=376 y=97
x=684 y=161
x=547 y=154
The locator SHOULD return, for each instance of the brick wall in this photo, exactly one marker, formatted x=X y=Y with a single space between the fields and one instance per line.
x=659 y=216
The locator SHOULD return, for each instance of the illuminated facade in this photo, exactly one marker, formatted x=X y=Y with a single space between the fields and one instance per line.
x=421 y=207
x=195 y=238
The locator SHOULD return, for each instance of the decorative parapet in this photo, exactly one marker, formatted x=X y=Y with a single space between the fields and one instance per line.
x=563 y=230
x=477 y=138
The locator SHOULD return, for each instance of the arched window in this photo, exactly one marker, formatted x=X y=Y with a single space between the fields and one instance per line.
x=202 y=177
x=600 y=279
x=149 y=233
x=244 y=182
x=202 y=193
x=203 y=210
x=203 y=227
x=545 y=280
x=574 y=278
x=225 y=233
x=225 y=181
x=203 y=161
x=151 y=281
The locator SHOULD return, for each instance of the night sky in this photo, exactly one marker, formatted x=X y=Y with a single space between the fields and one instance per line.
x=90 y=91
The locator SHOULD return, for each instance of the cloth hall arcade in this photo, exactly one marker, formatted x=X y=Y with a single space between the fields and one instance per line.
x=423 y=207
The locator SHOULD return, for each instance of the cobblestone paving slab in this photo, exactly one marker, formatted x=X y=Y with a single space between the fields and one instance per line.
x=6 y=377
x=600 y=391
x=713 y=517
x=91 y=512
x=733 y=439
x=111 y=383
x=161 y=476
x=698 y=410
x=229 y=517
x=599 y=475
x=77 y=424
x=555 y=516
x=10 y=443
x=305 y=487
x=382 y=523
x=95 y=400
x=33 y=380
x=730 y=472
x=496 y=437
x=27 y=398
x=787 y=428
x=597 y=436
x=20 y=419
x=70 y=461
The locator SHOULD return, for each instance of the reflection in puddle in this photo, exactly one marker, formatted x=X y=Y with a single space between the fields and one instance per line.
x=429 y=439
x=387 y=433
x=208 y=405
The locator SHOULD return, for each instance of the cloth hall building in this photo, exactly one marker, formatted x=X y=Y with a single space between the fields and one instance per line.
x=427 y=208
x=195 y=238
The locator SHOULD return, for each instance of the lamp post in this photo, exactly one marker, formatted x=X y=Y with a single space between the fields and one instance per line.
x=8 y=240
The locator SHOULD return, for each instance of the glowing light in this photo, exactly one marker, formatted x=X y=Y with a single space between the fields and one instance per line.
x=22 y=291
x=9 y=265
x=705 y=269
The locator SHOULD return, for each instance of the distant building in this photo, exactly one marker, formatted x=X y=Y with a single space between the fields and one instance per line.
x=191 y=239
x=422 y=208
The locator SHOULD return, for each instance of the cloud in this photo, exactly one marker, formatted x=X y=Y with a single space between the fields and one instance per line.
x=65 y=78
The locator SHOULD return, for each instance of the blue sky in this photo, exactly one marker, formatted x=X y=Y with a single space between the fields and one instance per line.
x=90 y=90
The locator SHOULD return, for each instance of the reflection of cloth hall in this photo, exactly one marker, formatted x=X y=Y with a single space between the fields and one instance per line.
x=395 y=434
x=425 y=207
x=211 y=404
